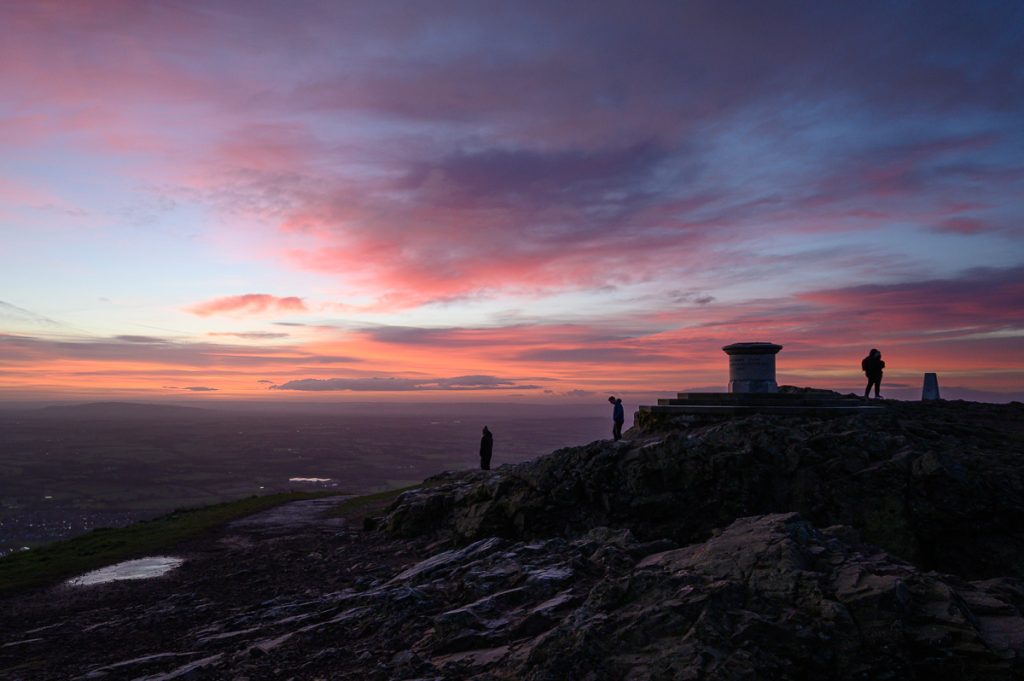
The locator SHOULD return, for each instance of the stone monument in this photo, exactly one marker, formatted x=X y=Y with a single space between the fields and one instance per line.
x=752 y=367
x=752 y=390
x=930 y=390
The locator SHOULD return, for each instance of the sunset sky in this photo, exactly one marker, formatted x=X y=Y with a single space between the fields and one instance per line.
x=507 y=200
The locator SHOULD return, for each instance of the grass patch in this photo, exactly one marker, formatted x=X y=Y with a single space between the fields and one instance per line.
x=101 y=547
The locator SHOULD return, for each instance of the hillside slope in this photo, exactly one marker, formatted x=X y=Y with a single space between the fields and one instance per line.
x=758 y=548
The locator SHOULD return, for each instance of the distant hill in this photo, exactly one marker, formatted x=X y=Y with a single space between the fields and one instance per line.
x=120 y=410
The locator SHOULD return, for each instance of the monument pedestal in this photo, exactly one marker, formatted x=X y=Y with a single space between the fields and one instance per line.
x=752 y=367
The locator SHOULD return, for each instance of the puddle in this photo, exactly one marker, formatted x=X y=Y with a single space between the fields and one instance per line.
x=143 y=568
x=309 y=480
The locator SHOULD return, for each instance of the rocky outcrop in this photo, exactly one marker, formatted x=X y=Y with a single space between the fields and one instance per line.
x=767 y=597
x=674 y=555
x=940 y=485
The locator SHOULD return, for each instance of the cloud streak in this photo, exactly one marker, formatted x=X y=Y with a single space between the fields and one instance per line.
x=249 y=304
x=396 y=384
x=249 y=335
x=193 y=388
x=12 y=314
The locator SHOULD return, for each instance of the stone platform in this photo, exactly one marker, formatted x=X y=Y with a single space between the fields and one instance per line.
x=715 y=406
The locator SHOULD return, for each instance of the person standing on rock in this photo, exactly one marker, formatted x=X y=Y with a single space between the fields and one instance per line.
x=872 y=366
x=486 y=449
x=618 y=417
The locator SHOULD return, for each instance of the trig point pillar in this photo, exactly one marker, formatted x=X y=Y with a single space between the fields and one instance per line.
x=752 y=367
x=930 y=390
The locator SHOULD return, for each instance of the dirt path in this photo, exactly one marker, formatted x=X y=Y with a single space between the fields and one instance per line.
x=310 y=514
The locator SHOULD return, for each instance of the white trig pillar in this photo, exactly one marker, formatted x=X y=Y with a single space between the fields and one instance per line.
x=930 y=391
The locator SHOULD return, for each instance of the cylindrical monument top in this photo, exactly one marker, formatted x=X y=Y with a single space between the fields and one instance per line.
x=759 y=348
x=752 y=367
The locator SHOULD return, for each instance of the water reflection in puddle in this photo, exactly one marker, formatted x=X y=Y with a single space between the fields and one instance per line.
x=143 y=568
x=309 y=479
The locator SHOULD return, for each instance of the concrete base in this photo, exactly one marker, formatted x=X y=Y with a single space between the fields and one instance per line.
x=701 y=407
x=753 y=386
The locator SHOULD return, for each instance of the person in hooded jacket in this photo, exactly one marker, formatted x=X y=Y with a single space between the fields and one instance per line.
x=618 y=417
x=486 y=448
x=872 y=366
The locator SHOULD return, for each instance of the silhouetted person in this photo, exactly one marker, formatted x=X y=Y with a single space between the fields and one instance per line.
x=618 y=417
x=872 y=366
x=486 y=448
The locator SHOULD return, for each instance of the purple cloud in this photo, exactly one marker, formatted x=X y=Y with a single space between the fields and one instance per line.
x=250 y=335
x=149 y=340
x=604 y=355
x=157 y=351
x=395 y=384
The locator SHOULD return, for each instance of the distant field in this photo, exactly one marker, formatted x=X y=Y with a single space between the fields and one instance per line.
x=66 y=471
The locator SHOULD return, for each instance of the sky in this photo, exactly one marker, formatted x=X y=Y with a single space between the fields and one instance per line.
x=532 y=201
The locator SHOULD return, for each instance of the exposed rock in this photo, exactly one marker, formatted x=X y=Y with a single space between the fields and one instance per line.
x=941 y=485
x=675 y=555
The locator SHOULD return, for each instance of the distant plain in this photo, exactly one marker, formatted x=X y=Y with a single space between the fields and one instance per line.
x=66 y=470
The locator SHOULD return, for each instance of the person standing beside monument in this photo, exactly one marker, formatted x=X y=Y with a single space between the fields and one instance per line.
x=618 y=418
x=872 y=366
x=486 y=449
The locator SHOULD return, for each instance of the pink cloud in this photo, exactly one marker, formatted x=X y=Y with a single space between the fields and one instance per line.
x=983 y=299
x=494 y=222
x=963 y=225
x=590 y=171
x=249 y=304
